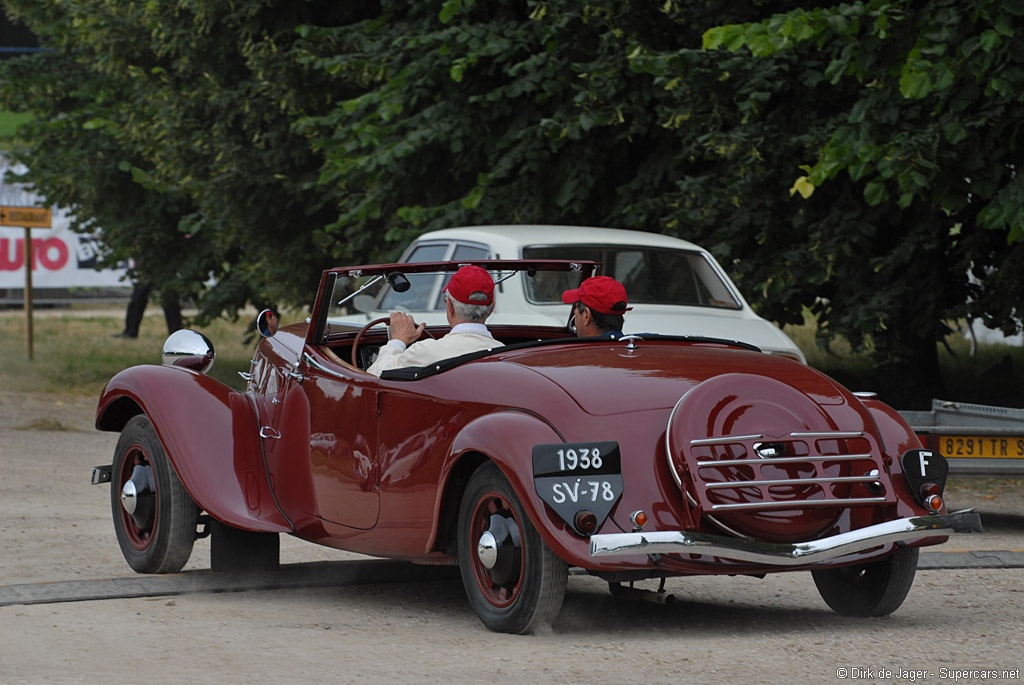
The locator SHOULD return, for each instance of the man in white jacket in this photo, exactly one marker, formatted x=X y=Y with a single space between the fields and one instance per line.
x=469 y=300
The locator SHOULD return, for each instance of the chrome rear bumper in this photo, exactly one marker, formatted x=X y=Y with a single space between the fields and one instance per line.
x=785 y=554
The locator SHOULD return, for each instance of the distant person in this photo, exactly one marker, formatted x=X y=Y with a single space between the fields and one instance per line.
x=598 y=306
x=469 y=300
x=137 y=307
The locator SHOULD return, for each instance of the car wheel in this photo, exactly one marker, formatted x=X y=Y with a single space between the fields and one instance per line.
x=874 y=589
x=154 y=516
x=514 y=582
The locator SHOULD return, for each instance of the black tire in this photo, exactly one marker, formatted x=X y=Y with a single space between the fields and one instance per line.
x=523 y=589
x=236 y=550
x=874 y=589
x=158 y=536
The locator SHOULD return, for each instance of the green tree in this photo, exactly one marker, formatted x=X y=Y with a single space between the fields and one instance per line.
x=611 y=113
x=855 y=159
x=77 y=163
x=906 y=194
x=169 y=125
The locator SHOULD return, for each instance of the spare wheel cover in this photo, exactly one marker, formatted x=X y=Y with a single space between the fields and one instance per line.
x=743 y=416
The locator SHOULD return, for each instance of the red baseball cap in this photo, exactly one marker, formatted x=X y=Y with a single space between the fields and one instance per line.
x=468 y=280
x=603 y=294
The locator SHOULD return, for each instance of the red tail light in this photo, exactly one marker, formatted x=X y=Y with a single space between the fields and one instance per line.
x=931 y=495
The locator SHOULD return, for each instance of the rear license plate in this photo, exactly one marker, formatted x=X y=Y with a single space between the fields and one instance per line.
x=571 y=477
x=981 y=447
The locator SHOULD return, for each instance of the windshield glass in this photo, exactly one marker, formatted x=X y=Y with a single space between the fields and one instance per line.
x=650 y=275
x=426 y=293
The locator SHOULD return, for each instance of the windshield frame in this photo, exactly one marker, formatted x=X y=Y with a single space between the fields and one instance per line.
x=327 y=297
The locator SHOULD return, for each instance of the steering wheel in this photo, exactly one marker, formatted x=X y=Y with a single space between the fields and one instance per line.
x=362 y=332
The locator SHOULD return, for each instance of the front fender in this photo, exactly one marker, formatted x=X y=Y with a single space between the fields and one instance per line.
x=507 y=438
x=211 y=435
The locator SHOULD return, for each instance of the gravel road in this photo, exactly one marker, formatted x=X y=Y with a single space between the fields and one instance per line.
x=55 y=527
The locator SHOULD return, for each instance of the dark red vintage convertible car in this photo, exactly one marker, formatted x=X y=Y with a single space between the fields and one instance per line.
x=639 y=458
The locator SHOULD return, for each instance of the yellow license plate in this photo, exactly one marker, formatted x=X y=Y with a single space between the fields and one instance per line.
x=982 y=447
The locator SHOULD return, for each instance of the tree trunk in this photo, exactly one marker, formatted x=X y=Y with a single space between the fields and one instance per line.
x=909 y=372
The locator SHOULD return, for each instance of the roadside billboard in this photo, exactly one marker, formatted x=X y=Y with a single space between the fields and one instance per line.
x=60 y=258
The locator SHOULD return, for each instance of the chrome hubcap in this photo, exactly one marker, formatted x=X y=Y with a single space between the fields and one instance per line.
x=129 y=497
x=500 y=549
x=138 y=497
x=487 y=549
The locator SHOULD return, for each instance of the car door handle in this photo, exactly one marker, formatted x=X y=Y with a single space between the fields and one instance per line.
x=269 y=432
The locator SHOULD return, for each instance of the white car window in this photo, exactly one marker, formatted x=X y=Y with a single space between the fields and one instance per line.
x=462 y=252
x=650 y=275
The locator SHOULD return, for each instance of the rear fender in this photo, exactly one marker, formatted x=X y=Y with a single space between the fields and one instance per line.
x=897 y=437
x=507 y=438
x=211 y=435
x=896 y=434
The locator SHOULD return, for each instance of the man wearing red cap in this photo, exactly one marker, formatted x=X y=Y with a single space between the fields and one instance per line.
x=597 y=307
x=469 y=300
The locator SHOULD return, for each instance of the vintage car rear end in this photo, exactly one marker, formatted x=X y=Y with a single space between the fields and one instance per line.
x=731 y=462
x=652 y=456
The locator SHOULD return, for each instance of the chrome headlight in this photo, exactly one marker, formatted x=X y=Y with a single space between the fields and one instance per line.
x=190 y=349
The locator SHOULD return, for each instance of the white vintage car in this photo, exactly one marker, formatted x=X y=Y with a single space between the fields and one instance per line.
x=674 y=286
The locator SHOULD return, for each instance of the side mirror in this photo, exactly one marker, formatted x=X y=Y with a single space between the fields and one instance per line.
x=266 y=323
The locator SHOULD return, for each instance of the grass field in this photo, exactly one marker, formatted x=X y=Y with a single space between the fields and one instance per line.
x=9 y=122
x=994 y=374
x=75 y=354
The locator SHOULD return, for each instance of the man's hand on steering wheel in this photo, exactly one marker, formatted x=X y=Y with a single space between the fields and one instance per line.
x=404 y=328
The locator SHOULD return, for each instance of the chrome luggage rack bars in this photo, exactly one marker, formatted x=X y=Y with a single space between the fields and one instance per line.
x=820 y=483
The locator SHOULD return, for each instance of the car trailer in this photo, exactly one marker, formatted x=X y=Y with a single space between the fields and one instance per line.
x=977 y=439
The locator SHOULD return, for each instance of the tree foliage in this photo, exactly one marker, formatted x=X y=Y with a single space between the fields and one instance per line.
x=913 y=160
x=81 y=165
x=855 y=159
x=169 y=125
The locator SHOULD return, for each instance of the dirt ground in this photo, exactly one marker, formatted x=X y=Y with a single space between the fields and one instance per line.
x=55 y=527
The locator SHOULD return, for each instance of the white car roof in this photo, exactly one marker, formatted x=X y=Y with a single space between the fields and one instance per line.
x=513 y=237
